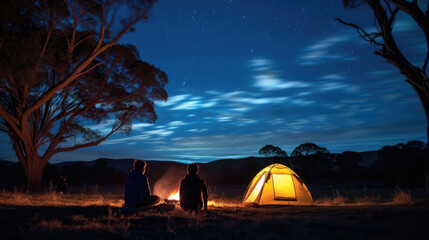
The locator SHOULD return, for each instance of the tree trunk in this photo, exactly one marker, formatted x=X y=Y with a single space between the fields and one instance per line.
x=424 y=99
x=33 y=174
x=427 y=127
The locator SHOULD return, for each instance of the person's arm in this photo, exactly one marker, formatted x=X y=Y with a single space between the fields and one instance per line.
x=146 y=189
x=181 y=192
x=205 y=195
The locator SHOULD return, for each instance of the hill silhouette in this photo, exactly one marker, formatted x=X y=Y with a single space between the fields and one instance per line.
x=370 y=167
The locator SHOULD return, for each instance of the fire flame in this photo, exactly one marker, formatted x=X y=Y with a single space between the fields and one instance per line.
x=174 y=196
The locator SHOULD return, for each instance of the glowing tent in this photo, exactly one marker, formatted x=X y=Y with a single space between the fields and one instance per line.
x=277 y=185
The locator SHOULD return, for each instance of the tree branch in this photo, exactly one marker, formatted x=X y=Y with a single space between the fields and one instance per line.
x=80 y=67
x=91 y=68
x=413 y=10
x=368 y=37
x=78 y=146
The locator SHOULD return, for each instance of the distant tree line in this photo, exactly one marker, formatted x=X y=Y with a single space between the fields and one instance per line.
x=77 y=174
x=406 y=164
x=401 y=164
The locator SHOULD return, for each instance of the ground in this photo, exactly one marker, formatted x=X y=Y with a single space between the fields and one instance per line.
x=292 y=222
x=59 y=217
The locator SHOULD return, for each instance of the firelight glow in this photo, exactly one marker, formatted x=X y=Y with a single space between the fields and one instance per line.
x=174 y=196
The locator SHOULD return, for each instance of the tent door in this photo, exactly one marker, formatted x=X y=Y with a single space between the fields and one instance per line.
x=284 y=188
x=256 y=189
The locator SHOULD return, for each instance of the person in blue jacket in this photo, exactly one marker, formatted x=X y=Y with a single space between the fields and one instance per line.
x=191 y=189
x=137 y=192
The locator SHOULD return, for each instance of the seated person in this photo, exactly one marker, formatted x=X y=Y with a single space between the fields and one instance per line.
x=137 y=192
x=191 y=188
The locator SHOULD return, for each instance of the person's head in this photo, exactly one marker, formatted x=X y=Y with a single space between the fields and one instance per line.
x=140 y=165
x=193 y=169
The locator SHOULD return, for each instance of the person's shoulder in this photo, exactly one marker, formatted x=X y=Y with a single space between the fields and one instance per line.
x=200 y=179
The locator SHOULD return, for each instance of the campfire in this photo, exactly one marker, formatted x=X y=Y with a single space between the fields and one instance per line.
x=173 y=198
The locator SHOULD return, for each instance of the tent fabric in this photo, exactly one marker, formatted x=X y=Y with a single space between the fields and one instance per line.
x=277 y=184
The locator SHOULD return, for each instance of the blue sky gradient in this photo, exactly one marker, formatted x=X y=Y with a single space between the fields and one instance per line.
x=244 y=74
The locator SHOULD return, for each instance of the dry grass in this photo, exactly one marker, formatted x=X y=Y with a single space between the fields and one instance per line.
x=114 y=222
x=99 y=216
x=401 y=197
x=94 y=198
x=58 y=199
x=223 y=202
x=336 y=200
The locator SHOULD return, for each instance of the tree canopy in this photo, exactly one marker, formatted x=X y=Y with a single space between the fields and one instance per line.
x=404 y=162
x=348 y=165
x=306 y=149
x=62 y=70
x=272 y=151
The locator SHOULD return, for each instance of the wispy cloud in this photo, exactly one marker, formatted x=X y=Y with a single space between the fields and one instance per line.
x=160 y=132
x=267 y=78
x=176 y=123
x=259 y=101
x=139 y=126
x=404 y=24
x=193 y=104
x=335 y=76
x=224 y=118
x=261 y=64
x=198 y=130
x=328 y=42
x=380 y=73
x=213 y=92
x=323 y=50
x=330 y=86
x=270 y=82
x=187 y=102
x=336 y=84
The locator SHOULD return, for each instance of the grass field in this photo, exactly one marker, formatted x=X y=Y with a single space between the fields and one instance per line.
x=98 y=215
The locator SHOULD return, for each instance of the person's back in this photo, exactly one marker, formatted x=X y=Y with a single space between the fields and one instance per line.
x=137 y=192
x=136 y=188
x=191 y=188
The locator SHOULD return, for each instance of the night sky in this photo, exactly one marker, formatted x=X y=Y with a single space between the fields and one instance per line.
x=244 y=74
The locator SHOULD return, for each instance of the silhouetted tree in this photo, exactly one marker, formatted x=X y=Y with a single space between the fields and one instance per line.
x=403 y=163
x=311 y=161
x=62 y=69
x=390 y=161
x=348 y=165
x=385 y=12
x=306 y=149
x=417 y=158
x=272 y=151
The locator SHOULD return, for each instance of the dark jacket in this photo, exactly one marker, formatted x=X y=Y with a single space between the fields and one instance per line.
x=191 y=188
x=136 y=188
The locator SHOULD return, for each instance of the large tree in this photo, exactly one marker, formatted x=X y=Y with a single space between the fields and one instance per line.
x=272 y=151
x=385 y=12
x=311 y=161
x=63 y=71
x=306 y=149
x=348 y=165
